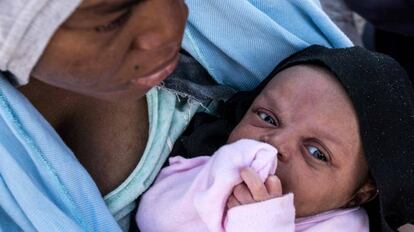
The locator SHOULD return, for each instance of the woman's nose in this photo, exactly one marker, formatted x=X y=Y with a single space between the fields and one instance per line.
x=162 y=32
x=156 y=40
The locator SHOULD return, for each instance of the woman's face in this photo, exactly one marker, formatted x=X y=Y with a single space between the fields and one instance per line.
x=115 y=49
x=308 y=117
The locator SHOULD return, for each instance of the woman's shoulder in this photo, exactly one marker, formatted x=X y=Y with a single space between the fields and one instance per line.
x=31 y=155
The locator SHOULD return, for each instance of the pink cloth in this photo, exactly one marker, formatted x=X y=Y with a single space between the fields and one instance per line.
x=191 y=195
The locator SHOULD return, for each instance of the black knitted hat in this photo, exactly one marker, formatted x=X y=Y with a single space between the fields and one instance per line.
x=383 y=98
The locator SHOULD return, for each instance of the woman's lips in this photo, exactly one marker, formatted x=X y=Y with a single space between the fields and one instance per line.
x=155 y=77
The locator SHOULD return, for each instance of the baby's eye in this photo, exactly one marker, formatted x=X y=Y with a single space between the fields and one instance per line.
x=317 y=154
x=267 y=118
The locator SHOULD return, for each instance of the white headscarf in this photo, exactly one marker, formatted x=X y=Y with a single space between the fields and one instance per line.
x=26 y=27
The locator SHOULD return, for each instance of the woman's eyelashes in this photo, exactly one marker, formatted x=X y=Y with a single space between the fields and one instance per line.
x=115 y=24
x=267 y=117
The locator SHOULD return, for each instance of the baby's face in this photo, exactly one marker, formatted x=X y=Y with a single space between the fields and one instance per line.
x=309 y=118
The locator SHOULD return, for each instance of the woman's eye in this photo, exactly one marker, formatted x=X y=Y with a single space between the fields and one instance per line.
x=114 y=24
x=267 y=118
x=316 y=153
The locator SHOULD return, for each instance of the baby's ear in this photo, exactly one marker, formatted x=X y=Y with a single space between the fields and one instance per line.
x=365 y=194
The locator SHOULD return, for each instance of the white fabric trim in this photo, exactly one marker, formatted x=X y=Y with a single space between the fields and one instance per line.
x=26 y=26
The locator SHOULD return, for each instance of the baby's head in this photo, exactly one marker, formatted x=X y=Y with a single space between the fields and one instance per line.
x=306 y=114
x=341 y=119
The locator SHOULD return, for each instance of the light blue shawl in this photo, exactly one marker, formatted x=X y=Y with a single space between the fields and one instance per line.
x=239 y=42
x=42 y=185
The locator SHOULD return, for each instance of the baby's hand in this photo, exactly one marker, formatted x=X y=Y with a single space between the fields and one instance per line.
x=253 y=190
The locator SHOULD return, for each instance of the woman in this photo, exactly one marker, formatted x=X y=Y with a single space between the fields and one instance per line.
x=80 y=54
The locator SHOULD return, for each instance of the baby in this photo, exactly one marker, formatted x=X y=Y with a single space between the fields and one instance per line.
x=303 y=157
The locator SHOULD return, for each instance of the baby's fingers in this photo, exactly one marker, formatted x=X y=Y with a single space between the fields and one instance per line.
x=254 y=184
x=232 y=202
x=242 y=194
x=273 y=186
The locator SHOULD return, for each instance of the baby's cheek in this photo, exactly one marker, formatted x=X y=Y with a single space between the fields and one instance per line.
x=240 y=132
x=291 y=184
x=280 y=174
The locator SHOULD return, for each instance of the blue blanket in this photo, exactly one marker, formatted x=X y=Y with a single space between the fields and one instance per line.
x=239 y=42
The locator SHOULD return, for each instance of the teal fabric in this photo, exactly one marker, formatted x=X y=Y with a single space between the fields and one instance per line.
x=44 y=188
x=169 y=114
x=239 y=42
x=42 y=185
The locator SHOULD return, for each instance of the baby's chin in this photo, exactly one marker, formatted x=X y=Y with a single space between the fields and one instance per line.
x=308 y=211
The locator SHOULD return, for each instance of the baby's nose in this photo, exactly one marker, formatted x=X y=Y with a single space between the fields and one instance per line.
x=282 y=157
x=283 y=143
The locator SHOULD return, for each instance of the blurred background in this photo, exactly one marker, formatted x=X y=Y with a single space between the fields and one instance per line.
x=386 y=26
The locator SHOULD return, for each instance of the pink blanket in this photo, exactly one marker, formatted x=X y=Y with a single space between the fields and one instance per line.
x=191 y=195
